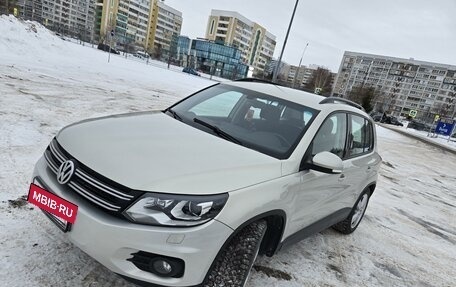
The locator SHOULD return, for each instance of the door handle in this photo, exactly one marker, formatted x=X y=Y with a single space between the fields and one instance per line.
x=369 y=169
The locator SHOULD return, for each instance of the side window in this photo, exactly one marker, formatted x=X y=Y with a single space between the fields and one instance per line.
x=331 y=136
x=369 y=145
x=361 y=136
x=218 y=106
x=357 y=135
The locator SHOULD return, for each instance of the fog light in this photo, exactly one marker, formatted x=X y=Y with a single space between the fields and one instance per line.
x=162 y=267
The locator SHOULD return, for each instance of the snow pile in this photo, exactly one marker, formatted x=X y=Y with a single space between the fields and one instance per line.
x=23 y=38
x=31 y=47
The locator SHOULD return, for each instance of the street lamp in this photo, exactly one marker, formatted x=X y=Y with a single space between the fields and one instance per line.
x=299 y=66
x=276 y=68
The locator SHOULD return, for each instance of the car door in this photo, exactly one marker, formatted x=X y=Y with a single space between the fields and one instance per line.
x=316 y=199
x=360 y=159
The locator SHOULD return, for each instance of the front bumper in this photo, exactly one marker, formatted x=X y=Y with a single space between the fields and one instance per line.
x=111 y=240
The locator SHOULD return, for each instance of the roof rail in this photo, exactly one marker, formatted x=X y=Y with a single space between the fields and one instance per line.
x=335 y=100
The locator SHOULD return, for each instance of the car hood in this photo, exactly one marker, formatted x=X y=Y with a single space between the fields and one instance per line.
x=155 y=152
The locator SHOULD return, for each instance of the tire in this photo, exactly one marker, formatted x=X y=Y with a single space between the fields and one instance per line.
x=350 y=224
x=232 y=266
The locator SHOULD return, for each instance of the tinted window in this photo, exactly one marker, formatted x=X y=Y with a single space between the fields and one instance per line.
x=361 y=136
x=258 y=121
x=331 y=136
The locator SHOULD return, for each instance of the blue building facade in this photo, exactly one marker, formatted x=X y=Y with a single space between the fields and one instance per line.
x=212 y=58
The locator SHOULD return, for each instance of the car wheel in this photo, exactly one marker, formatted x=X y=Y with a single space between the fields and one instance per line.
x=232 y=266
x=350 y=224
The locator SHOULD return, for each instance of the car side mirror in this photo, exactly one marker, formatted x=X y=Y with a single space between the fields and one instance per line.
x=327 y=162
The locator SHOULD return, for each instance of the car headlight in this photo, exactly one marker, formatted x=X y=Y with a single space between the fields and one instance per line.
x=175 y=210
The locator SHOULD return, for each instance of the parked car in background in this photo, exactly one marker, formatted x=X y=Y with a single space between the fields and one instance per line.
x=377 y=117
x=105 y=48
x=190 y=71
x=141 y=55
x=395 y=121
x=391 y=120
x=417 y=125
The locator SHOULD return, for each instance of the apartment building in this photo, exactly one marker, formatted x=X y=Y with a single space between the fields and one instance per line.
x=402 y=84
x=71 y=17
x=305 y=74
x=30 y=10
x=283 y=69
x=132 y=21
x=165 y=28
x=105 y=18
x=255 y=42
x=298 y=77
x=147 y=24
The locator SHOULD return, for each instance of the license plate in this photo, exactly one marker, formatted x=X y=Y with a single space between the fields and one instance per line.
x=58 y=210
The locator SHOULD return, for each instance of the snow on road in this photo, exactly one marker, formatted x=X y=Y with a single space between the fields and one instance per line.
x=407 y=238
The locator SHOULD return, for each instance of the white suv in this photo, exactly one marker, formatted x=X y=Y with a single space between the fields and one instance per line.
x=191 y=195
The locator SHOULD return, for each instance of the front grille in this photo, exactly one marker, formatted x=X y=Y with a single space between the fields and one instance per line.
x=101 y=191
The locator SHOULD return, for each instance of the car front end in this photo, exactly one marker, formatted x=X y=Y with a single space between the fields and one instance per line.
x=146 y=212
x=164 y=255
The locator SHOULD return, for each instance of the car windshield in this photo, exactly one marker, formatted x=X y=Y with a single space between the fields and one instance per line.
x=264 y=123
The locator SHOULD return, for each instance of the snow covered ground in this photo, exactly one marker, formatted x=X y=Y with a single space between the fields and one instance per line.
x=407 y=238
x=425 y=135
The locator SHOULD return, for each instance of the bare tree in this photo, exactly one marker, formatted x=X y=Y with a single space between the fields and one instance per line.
x=7 y=6
x=320 y=82
x=102 y=38
x=4 y=7
x=158 y=51
x=381 y=100
x=364 y=96
x=149 y=52
x=443 y=110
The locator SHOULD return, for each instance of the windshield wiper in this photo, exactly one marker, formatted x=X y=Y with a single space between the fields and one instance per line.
x=218 y=131
x=175 y=115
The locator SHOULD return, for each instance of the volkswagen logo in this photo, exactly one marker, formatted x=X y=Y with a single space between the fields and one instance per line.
x=65 y=172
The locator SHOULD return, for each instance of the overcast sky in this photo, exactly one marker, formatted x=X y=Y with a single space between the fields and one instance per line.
x=420 y=29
